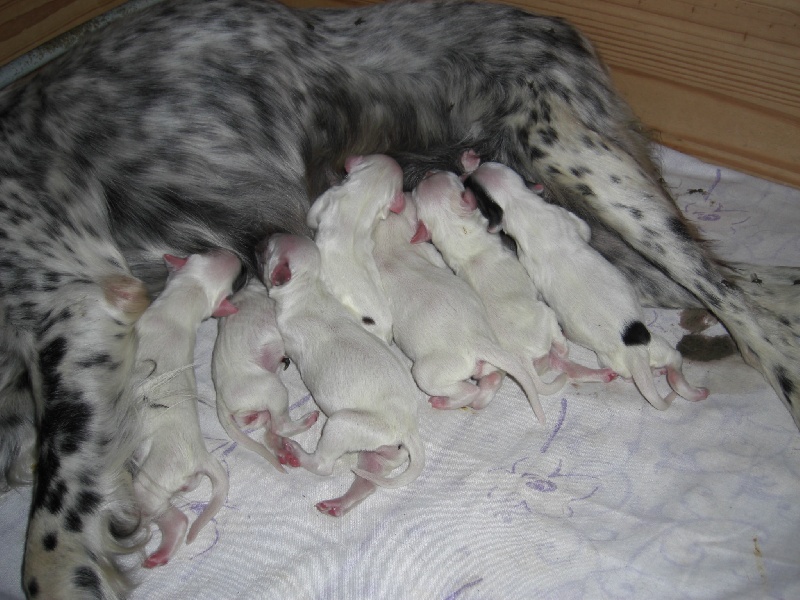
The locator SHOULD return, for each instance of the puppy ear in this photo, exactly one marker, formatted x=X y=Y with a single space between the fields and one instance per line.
x=281 y=273
x=421 y=234
x=174 y=263
x=351 y=162
x=468 y=200
x=226 y=308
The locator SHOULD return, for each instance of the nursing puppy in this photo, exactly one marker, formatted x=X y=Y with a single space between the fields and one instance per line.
x=441 y=325
x=448 y=215
x=365 y=390
x=244 y=367
x=595 y=304
x=344 y=217
x=172 y=457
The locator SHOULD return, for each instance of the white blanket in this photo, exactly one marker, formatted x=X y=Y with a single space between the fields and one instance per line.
x=609 y=499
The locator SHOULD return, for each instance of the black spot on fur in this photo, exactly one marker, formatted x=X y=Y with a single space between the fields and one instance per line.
x=536 y=153
x=549 y=136
x=636 y=334
x=584 y=190
x=87 y=502
x=50 y=541
x=95 y=360
x=33 y=588
x=359 y=21
x=368 y=320
x=286 y=362
x=787 y=386
x=615 y=179
x=580 y=171
x=54 y=497
x=86 y=579
x=73 y=521
x=679 y=228
x=49 y=360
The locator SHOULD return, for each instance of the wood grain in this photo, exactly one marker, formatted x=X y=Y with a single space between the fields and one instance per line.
x=719 y=79
x=26 y=24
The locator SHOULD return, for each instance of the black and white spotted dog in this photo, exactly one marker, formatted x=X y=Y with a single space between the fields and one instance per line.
x=199 y=125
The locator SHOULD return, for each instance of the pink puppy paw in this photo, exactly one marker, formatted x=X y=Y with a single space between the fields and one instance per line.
x=329 y=507
x=440 y=402
x=287 y=456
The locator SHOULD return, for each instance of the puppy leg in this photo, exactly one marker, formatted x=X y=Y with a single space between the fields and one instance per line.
x=345 y=431
x=438 y=378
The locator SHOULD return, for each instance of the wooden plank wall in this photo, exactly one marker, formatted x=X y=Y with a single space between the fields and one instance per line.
x=719 y=79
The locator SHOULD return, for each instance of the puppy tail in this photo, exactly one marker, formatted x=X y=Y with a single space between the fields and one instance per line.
x=642 y=376
x=219 y=493
x=241 y=438
x=416 y=462
x=527 y=378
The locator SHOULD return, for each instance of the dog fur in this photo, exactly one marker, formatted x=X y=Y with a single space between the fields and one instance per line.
x=199 y=125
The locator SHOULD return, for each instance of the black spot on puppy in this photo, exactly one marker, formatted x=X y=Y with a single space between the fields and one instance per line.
x=488 y=207
x=636 y=334
x=33 y=588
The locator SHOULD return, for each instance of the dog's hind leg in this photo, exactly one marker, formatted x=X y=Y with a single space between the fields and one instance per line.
x=81 y=514
x=17 y=408
x=613 y=188
x=72 y=303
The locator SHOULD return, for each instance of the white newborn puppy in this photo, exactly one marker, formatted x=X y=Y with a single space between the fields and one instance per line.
x=172 y=457
x=366 y=391
x=441 y=325
x=344 y=217
x=595 y=304
x=244 y=367
x=448 y=215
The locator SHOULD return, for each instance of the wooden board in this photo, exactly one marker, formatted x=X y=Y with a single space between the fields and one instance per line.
x=719 y=79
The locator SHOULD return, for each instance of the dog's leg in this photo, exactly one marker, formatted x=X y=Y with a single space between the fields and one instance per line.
x=17 y=408
x=619 y=193
x=81 y=513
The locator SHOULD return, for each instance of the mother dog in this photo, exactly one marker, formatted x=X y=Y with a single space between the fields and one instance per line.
x=199 y=125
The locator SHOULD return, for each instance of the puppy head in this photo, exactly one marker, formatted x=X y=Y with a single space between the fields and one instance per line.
x=378 y=179
x=445 y=209
x=287 y=258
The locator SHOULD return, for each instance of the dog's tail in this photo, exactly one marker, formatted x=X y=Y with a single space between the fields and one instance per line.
x=219 y=493
x=525 y=375
x=416 y=462
x=241 y=438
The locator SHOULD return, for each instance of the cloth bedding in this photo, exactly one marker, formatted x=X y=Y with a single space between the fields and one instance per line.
x=609 y=499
